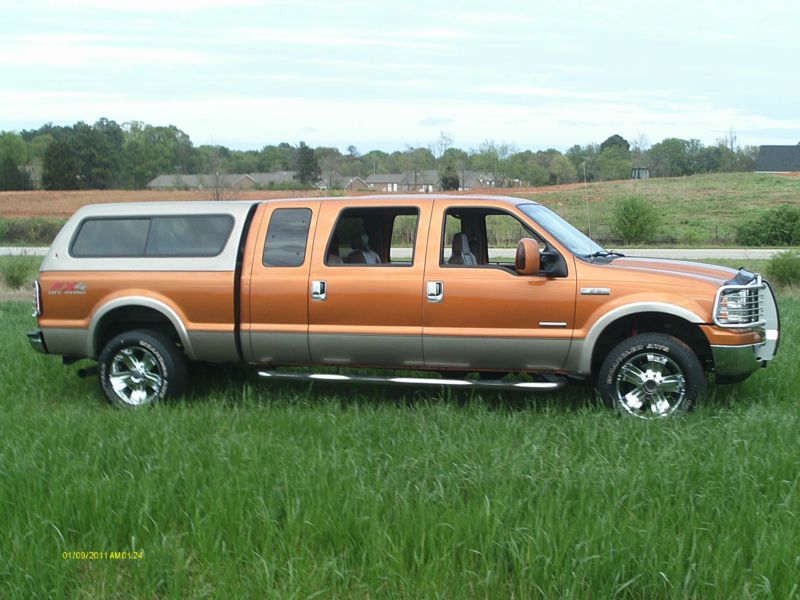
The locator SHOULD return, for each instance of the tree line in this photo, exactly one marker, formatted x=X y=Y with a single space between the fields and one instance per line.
x=107 y=155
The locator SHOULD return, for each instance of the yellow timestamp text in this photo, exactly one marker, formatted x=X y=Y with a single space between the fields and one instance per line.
x=102 y=555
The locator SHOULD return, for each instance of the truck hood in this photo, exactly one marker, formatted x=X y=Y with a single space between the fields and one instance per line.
x=650 y=269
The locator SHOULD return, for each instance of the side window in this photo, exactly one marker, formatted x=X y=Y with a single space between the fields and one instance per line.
x=111 y=238
x=164 y=236
x=196 y=235
x=503 y=233
x=374 y=236
x=287 y=236
x=481 y=237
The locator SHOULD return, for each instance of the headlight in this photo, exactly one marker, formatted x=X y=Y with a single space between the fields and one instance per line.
x=739 y=307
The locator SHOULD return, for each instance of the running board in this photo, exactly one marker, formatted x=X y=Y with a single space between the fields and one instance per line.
x=497 y=385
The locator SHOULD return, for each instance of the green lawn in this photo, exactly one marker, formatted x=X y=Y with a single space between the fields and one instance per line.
x=247 y=489
x=700 y=210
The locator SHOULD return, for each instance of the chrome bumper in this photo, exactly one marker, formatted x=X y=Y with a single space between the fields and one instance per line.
x=36 y=338
x=733 y=364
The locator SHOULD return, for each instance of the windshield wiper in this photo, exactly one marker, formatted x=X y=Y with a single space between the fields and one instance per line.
x=604 y=254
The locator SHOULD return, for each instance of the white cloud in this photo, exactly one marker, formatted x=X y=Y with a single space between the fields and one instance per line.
x=75 y=50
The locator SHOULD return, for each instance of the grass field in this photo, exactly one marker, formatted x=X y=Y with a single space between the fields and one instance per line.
x=256 y=490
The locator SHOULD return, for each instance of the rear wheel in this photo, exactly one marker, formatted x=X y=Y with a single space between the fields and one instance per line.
x=651 y=376
x=141 y=367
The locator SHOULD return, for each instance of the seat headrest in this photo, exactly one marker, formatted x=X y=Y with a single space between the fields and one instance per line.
x=359 y=241
x=460 y=243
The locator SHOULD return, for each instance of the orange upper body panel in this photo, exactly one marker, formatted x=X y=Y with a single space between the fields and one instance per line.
x=202 y=300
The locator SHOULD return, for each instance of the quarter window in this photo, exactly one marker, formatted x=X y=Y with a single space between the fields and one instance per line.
x=287 y=237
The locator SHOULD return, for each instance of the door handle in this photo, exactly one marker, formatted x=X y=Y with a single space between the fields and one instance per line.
x=319 y=290
x=435 y=291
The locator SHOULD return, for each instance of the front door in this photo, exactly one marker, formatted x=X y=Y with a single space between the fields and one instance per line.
x=479 y=314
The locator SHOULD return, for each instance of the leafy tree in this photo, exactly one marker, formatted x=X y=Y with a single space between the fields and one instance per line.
x=449 y=178
x=562 y=170
x=671 y=158
x=13 y=146
x=615 y=141
x=11 y=176
x=491 y=158
x=308 y=171
x=60 y=170
x=613 y=163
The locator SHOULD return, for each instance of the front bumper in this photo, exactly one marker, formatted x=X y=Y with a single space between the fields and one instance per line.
x=733 y=364
x=36 y=338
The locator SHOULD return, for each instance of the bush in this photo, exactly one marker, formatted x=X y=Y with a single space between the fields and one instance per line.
x=634 y=220
x=16 y=271
x=777 y=227
x=28 y=232
x=784 y=268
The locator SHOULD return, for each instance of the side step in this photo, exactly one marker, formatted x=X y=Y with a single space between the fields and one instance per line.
x=539 y=386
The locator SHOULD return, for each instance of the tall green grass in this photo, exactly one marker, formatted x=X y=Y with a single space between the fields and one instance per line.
x=259 y=490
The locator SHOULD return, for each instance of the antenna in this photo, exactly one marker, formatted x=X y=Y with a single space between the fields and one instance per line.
x=588 y=215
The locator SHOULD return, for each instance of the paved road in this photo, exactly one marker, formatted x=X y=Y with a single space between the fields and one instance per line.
x=678 y=253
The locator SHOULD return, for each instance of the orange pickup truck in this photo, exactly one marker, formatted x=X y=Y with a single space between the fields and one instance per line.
x=428 y=284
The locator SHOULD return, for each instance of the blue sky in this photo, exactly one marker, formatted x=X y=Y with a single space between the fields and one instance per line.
x=535 y=74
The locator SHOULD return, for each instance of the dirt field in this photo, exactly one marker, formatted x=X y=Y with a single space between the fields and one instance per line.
x=63 y=204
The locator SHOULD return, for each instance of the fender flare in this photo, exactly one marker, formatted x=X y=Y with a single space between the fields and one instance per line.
x=585 y=347
x=146 y=302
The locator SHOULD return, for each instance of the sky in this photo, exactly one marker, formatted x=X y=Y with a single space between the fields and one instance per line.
x=387 y=75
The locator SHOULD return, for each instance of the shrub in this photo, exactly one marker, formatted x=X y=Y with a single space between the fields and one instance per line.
x=29 y=232
x=778 y=226
x=16 y=271
x=784 y=268
x=634 y=220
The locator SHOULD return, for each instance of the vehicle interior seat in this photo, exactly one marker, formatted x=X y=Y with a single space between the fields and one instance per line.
x=362 y=253
x=461 y=253
x=333 y=257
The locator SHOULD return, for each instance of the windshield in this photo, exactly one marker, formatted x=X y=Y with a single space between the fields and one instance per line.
x=575 y=241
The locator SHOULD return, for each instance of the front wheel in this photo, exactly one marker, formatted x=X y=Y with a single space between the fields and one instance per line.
x=651 y=375
x=141 y=367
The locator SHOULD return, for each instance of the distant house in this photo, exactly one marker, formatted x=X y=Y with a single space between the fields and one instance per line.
x=471 y=180
x=356 y=184
x=386 y=182
x=778 y=159
x=239 y=181
x=201 y=182
x=640 y=173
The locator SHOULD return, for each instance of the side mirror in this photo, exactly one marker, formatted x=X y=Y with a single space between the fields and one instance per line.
x=526 y=261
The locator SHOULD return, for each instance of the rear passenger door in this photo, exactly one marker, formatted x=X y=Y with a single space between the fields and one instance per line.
x=274 y=327
x=365 y=292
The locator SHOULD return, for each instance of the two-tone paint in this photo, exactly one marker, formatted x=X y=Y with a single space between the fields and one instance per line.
x=427 y=315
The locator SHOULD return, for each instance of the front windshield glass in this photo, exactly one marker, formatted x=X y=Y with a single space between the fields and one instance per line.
x=564 y=232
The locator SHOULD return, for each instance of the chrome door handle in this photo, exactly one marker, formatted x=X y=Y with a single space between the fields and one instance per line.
x=319 y=290
x=435 y=291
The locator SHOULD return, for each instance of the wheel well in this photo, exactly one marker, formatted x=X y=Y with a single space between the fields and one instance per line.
x=651 y=322
x=129 y=318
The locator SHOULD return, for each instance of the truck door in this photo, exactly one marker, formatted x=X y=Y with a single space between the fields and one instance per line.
x=365 y=293
x=274 y=307
x=479 y=314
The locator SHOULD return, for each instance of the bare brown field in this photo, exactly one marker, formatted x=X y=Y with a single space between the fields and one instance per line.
x=41 y=203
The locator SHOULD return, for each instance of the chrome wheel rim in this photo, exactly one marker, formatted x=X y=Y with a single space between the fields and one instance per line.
x=650 y=385
x=136 y=376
